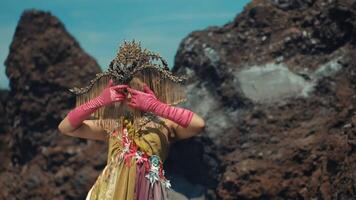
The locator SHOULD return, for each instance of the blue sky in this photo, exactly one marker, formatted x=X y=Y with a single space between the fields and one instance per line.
x=100 y=26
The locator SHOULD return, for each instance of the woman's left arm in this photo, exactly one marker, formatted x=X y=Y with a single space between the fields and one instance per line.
x=187 y=123
x=196 y=126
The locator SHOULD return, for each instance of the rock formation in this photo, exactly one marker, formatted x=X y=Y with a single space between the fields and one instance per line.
x=277 y=89
x=37 y=161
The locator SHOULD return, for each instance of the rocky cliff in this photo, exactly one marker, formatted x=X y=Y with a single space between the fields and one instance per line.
x=37 y=162
x=277 y=89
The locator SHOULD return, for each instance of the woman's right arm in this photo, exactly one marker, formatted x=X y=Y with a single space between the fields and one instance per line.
x=76 y=122
x=87 y=130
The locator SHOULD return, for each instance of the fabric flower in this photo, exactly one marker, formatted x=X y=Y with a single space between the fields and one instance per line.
x=152 y=177
x=154 y=159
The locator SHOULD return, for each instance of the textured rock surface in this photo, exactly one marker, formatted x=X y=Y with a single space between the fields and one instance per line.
x=37 y=162
x=276 y=87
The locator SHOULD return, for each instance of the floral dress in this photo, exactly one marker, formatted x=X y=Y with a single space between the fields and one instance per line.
x=134 y=169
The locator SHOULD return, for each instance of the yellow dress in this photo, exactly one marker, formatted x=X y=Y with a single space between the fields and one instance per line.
x=134 y=169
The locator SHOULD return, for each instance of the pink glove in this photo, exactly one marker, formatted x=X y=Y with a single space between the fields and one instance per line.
x=108 y=96
x=148 y=102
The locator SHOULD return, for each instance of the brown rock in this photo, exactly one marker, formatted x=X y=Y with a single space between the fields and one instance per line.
x=43 y=63
x=300 y=147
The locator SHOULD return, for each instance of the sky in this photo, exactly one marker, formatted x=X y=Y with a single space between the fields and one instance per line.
x=100 y=26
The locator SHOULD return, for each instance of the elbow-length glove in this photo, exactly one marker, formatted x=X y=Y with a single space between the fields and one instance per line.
x=109 y=95
x=148 y=102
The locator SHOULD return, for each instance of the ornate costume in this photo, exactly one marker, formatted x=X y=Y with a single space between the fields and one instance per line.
x=137 y=146
x=135 y=166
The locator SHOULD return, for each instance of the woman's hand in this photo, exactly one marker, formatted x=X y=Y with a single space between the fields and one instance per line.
x=112 y=94
x=144 y=101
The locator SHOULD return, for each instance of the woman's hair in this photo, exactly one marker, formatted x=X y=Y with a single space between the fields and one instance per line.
x=111 y=116
x=136 y=83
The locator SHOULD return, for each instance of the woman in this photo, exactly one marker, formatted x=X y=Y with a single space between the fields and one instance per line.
x=138 y=146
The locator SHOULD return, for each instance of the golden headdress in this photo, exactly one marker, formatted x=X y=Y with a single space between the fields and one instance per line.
x=132 y=61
